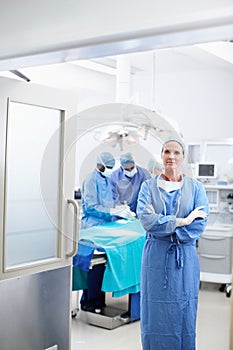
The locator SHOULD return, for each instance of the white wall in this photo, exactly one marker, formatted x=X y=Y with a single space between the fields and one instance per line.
x=202 y=103
x=193 y=90
x=196 y=93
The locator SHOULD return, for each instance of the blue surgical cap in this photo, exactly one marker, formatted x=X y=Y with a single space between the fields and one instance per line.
x=106 y=159
x=127 y=160
x=177 y=139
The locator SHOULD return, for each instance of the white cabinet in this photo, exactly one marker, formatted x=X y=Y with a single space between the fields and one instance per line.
x=215 y=248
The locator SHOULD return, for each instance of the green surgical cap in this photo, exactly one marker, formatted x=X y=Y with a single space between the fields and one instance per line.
x=106 y=159
x=127 y=160
x=177 y=139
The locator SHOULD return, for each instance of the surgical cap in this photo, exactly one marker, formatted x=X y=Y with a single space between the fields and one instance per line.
x=154 y=165
x=127 y=160
x=106 y=159
x=177 y=139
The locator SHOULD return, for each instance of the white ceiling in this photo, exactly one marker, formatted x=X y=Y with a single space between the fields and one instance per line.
x=71 y=76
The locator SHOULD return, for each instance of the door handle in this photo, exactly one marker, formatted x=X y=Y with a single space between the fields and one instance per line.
x=75 y=227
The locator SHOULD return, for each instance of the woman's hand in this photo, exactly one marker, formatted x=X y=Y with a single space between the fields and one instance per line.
x=196 y=213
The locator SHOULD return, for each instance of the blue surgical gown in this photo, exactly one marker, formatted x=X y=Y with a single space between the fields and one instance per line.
x=97 y=199
x=126 y=188
x=170 y=273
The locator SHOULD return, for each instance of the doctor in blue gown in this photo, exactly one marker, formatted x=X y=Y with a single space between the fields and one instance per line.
x=173 y=209
x=97 y=195
x=127 y=180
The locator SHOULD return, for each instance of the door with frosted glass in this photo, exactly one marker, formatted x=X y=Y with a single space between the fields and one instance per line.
x=38 y=215
x=31 y=232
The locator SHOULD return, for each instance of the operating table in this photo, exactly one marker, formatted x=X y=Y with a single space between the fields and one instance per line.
x=109 y=260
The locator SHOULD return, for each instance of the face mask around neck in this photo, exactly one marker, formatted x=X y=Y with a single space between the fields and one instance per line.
x=169 y=186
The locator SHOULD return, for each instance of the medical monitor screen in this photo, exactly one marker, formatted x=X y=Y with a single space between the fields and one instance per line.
x=206 y=170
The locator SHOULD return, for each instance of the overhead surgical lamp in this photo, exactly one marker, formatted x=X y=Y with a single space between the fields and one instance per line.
x=118 y=135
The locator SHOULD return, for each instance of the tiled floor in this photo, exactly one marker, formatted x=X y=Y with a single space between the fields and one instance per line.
x=213 y=327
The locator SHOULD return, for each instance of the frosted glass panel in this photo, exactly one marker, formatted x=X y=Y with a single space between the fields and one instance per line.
x=30 y=234
x=222 y=155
